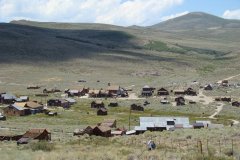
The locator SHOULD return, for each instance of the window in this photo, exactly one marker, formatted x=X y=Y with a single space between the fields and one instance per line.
x=170 y=123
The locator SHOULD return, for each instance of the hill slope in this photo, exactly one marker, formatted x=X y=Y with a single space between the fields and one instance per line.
x=196 y=21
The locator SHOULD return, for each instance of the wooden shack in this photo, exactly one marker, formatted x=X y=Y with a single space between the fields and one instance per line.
x=103 y=131
x=180 y=101
x=97 y=104
x=102 y=112
x=163 y=92
x=136 y=107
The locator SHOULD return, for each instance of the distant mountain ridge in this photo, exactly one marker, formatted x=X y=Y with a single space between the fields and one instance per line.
x=196 y=21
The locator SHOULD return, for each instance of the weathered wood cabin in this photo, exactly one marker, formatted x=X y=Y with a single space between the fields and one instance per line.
x=163 y=92
x=97 y=104
x=103 y=131
x=136 y=107
x=35 y=134
x=190 y=92
x=180 y=101
x=102 y=112
x=16 y=110
x=8 y=98
x=147 y=91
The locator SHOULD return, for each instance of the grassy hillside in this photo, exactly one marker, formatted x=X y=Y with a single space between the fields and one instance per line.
x=197 y=21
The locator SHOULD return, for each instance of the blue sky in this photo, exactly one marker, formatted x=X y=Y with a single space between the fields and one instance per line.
x=117 y=12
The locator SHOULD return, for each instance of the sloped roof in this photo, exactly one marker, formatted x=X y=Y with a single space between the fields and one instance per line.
x=18 y=107
x=162 y=121
x=33 y=105
x=34 y=133
x=104 y=128
x=71 y=100
x=20 y=104
x=8 y=96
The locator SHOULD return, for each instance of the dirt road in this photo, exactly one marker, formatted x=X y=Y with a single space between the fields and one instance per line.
x=218 y=110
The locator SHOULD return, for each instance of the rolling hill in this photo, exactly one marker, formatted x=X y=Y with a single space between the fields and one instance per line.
x=197 y=21
x=169 y=47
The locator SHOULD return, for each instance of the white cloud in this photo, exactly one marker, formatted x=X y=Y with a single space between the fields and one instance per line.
x=174 y=16
x=232 y=14
x=118 y=12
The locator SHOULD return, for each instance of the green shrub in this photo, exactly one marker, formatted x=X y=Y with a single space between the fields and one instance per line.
x=43 y=146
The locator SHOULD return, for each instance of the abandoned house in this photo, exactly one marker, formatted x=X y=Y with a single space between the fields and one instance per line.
x=179 y=92
x=103 y=131
x=113 y=104
x=35 y=134
x=97 y=104
x=16 y=110
x=208 y=87
x=54 y=90
x=34 y=107
x=198 y=125
x=8 y=98
x=33 y=87
x=163 y=92
x=147 y=91
x=136 y=107
x=190 y=92
x=58 y=103
x=161 y=123
x=115 y=91
x=236 y=104
x=22 y=99
x=180 y=101
x=102 y=112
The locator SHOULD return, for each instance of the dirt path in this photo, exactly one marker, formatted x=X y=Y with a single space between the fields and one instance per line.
x=201 y=98
x=235 y=122
x=218 y=110
x=232 y=77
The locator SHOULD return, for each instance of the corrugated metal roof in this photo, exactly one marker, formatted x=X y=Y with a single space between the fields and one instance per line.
x=9 y=96
x=162 y=122
x=70 y=100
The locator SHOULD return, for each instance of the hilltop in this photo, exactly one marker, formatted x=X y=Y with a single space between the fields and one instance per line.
x=197 y=21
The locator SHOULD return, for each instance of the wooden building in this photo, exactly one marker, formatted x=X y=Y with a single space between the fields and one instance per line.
x=97 y=104
x=136 y=107
x=102 y=112
x=163 y=92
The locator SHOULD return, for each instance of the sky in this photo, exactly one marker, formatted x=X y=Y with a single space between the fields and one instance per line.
x=116 y=12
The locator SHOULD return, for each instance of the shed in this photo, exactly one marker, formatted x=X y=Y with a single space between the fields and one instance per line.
x=208 y=87
x=190 y=92
x=236 y=104
x=8 y=98
x=179 y=92
x=147 y=91
x=136 y=107
x=180 y=101
x=71 y=101
x=97 y=104
x=103 y=131
x=102 y=112
x=39 y=134
x=163 y=92
x=198 y=125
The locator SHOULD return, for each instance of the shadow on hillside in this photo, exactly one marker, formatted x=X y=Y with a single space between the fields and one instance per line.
x=20 y=44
